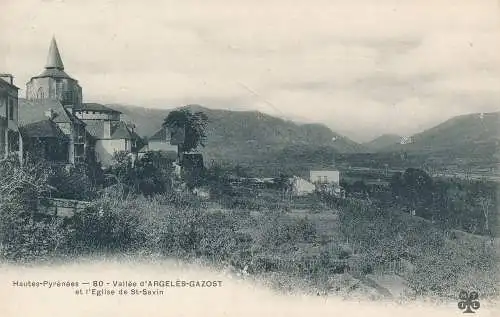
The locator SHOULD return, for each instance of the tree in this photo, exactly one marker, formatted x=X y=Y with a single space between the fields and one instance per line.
x=282 y=182
x=415 y=188
x=150 y=175
x=397 y=185
x=193 y=124
x=486 y=205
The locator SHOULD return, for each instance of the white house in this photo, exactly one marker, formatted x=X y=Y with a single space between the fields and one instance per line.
x=325 y=177
x=301 y=187
x=162 y=141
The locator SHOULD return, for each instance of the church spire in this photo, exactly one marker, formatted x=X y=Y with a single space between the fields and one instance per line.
x=54 y=58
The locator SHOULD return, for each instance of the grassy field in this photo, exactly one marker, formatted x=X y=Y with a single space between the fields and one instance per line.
x=437 y=269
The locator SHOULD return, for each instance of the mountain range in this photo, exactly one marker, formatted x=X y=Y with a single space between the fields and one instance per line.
x=470 y=134
x=243 y=135
x=247 y=136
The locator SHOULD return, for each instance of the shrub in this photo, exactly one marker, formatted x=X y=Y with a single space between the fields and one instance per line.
x=278 y=229
x=23 y=235
x=72 y=183
x=34 y=240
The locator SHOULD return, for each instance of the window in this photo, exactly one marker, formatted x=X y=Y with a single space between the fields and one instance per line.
x=68 y=97
x=79 y=150
x=2 y=105
x=39 y=94
x=59 y=87
x=11 y=109
x=13 y=141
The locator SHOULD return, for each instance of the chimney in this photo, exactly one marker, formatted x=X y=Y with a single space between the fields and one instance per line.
x=51 y=114
x=8 y=78
x=107 y=129
x=131 y=126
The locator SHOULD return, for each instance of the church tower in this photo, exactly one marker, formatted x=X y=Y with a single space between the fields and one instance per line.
x=54 y=82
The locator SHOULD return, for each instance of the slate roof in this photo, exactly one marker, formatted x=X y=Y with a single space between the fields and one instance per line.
x=42 y=129
x=34 y=110
x=95 y=128
x=119 y=130
x=4 y=82
x=54 y=59
x=53 y=73
x=174 y=138
x=94 y=107
x=54 y=67
x=160 y=135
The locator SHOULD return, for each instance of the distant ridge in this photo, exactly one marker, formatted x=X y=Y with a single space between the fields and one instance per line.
x=456 y=132
x=244 y=135
x=247 y=136
x=465 y=139
x=382 y=141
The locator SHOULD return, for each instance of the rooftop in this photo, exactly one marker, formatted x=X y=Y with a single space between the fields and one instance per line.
x=34 y=110
x=54 y=67
x=94 y=107
x=54 y=73
x=4 y=82
x=54 y=60
x=119 y=130
x=42 y=129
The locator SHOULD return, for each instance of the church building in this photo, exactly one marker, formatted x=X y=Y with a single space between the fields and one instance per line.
x=54 y=82
x=58 y=126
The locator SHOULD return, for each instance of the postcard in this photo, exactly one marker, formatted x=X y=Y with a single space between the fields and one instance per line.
x=249 y=158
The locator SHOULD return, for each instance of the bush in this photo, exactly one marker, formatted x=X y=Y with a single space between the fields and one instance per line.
x=446 y=270
x=23 y=235
x=34 y=240
x=72 y=183
x=278 y=229
x=150 y=175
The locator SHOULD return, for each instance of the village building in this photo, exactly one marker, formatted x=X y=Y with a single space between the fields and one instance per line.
x=324 y=176
x=162 y=141
x=55 y=119
x=327 y=180
x=108 y=131
x=301 y=187
x=54 y=82
x=10 y=140
x=38 y=117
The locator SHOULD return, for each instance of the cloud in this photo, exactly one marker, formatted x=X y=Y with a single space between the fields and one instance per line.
x=359 y=66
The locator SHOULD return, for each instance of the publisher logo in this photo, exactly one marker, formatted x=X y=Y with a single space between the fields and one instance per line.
x=468 y=302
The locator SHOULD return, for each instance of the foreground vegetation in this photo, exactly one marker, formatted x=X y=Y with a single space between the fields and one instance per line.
x=355 y=235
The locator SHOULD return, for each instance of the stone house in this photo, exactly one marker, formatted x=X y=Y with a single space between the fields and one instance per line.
x=77 y=144
x=108 y=131
x=10 y=139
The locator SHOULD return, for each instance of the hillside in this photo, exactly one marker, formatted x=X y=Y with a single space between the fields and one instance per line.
x=241 y=136
x=251 y=136
x=471 y=137
x=382 y=141
x=244 y=135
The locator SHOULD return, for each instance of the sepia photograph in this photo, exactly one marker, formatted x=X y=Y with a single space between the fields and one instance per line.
x=249 y=158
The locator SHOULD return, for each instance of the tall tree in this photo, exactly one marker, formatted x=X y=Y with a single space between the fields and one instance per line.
x=192 y=128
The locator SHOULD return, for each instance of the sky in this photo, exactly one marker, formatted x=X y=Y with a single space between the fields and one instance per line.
x=361 y=67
